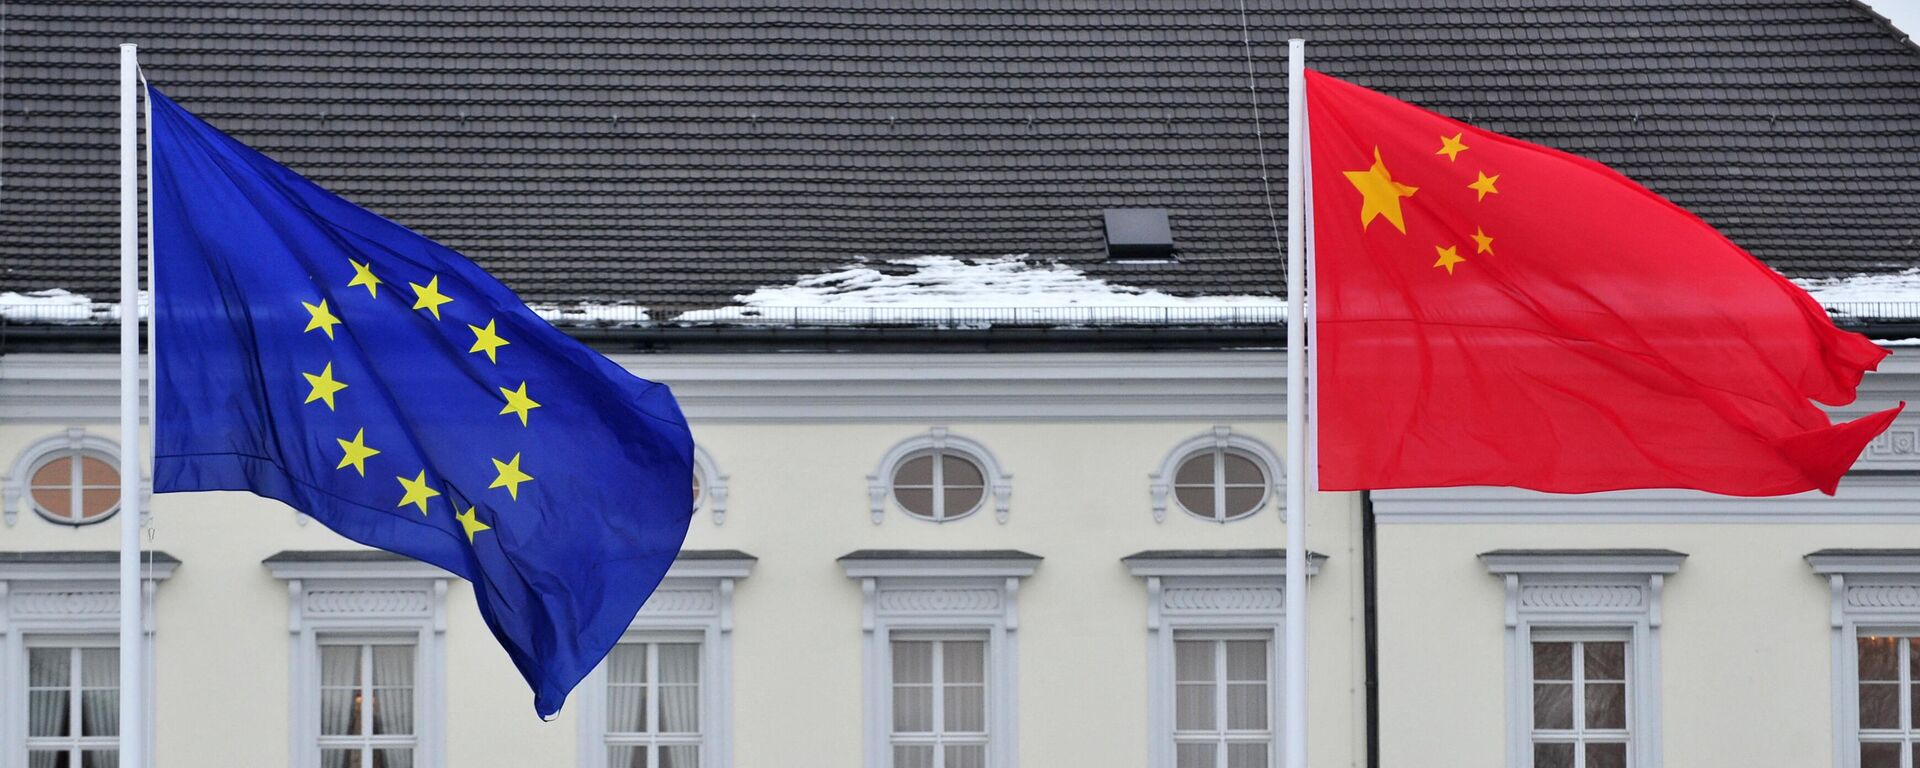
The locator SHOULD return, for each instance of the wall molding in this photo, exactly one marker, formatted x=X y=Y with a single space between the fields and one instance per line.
x=1864 y=498
x=1160 y=482
x=713 y=485
x=999 y=482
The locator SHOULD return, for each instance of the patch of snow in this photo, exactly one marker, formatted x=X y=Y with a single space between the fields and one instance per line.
x=57 y=306
x=1898 y=342
x=585 y=313
x=1857 y=294
x=1002 y=290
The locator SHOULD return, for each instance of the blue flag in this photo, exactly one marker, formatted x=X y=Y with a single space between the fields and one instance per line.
x=313 y=352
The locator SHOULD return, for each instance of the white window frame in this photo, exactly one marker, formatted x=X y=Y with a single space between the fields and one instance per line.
x=938 y=738
x=693 y=602
x=72 y=745
x=363 y=596
x=1585 y=594
x=1577 y=735
x=1219 y=440
x=66 y=599
x=1873 y=592
x=999 y=484
x=713 y=485
x=15 y=493
x=1209 y=594
x=927 y=593
x=365 y=740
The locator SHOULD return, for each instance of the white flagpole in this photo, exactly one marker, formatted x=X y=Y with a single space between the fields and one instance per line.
x=132 y=680
x=1295 y=704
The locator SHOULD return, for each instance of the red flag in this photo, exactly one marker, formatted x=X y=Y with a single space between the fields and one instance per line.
x=1493 y=312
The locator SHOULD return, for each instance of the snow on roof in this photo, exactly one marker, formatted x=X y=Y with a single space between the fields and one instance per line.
x=1839 y=292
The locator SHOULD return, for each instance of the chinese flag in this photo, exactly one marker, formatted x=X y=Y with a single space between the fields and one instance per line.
x=1493 y=312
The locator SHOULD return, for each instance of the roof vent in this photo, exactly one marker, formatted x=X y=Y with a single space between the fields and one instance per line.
x=1138 y=234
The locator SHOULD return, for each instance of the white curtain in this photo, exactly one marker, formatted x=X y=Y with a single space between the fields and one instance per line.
x=627 y=688
x=1246 y=687
x=100 y=699
x=679 y=688
x=393 y=691
x=339 y=685
x=48 y=668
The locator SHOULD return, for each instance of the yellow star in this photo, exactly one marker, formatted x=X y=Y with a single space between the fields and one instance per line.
x=430 y=297
x=484 y=339
x=1482 y=243
x=471 y=523
x=323 y=385
x=321 y=318
x=357 y=452
x=363 y=275
x=1485 y=185
x=1452 y=147
x=1448 y=257
x=417 y=491
x=510 y=476
x=518 y=402
x=1381 y=192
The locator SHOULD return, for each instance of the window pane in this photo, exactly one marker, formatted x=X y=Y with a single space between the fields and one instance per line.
x=1242 y=501
x=1553 y=661
x=95 y=502
x=47 y=759
x=915 y=471
x=1606 y=661
x=393 y=711
x=912 y=661
x=1880 y=755
x=626 y=757
x=100 y=667
x=1197 y=499
x=1553 y=706
x=1246 y=756
x=1194 y=755
x=913 y=756
x=49 y=667
x=1193 y=661
x=1193 y=707
x=966 y=756
x=958 y=470
x=100 y=758
x=1247 y=706
x=965 y=708
x=1879 y=658
x=1553 y=756
x=913 y=709
x=95 y=472
x=627 y=664
x=58 y=501
x=626 y=689
x=917 y=501
x=340 y=758
x=47 y=713
x=1879 y=705
x=1606 y=756
x=1242 y=471
x=1197 y=470
x=964 y=662
x=100 y=712
x=680 y=756
x=393 y=757
x=679 y=663
x=57 y=473
x=1247 y=661
x=679 y=708
x=960 y=501
x=1607 y=705
x=393 y=666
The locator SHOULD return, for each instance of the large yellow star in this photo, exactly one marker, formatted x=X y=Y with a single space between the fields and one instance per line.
x=320 y=318
x=323 y=385
x=429 y=296
x=1482 y=242
x=1449 y=256
x=1452 y=147
x=471 y=523
x=357 y=452
x=518 y=402
x=1381 y=192
x=363 y=275
x=417 y=491
x=485 y=340
x=510 y=476
x=1484 y=185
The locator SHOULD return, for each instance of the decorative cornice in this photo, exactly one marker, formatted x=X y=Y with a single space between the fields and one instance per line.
x=349 y=564
x=939 y=563
x=1862 y=498
x=1583 y=561
x=1222 y=562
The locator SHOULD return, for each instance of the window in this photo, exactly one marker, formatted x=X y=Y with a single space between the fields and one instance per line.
x=1218 y=476
x=72 y=478
x=1221 y=694
x=1583 y=636
x=709 y=486
x=653 y=705
x=1887 y=700
x=939 y=477
x=1580 y=703
x=73 y=704
x=1875 y=623
x=940 y=656
x=367 y=702
x=940 y=702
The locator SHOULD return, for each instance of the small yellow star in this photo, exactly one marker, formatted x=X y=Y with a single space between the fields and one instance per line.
x=363 y=275
x=1449 y=256
x=321 y=318
x=1381 y=194
x=357 y=452
x=1485 y=185
x=510 y=476
x=323 y=385
x=471 y=523
x=484 y=339
x=417 y=491
x=1452 y=147
x=429 y=296
x=1482 y=242
x=518 y=402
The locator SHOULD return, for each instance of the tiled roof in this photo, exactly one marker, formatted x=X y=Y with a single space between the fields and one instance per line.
x=677 y=153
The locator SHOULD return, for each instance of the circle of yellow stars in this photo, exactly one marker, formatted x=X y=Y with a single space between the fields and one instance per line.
x=1381 y=195
x=324 y=388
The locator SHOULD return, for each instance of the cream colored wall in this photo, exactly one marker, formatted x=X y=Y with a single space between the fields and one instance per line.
x=798 y=501
x=1746 y=676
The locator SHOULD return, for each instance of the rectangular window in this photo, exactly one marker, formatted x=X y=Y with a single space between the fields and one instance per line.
x=73 y=706
x=939 y=702
x=653 y=705
x=1580 y=696
x=367 y=704
x=1221 y=717
x=1888 y=697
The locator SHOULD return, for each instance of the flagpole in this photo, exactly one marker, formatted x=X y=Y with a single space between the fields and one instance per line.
x=132 y=681
x=1295 y=704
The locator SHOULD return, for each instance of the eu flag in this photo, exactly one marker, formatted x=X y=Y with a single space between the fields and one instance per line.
x=311 y=351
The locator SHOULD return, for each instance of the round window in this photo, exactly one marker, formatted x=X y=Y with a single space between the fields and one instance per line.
x=698 y=488
x=1220 y=484
x=938 y=485
x=75 y=488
